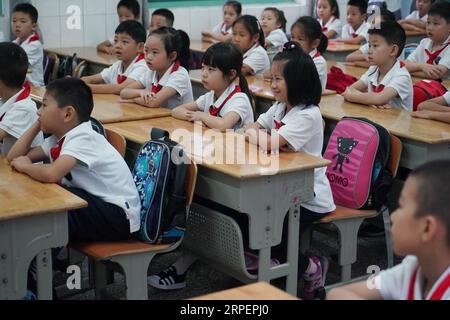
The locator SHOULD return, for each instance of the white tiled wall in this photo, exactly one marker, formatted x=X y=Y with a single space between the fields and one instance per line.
x=99 y=19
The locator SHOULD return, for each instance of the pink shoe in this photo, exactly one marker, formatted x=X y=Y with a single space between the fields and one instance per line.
x=315 y=281
x=252 y=260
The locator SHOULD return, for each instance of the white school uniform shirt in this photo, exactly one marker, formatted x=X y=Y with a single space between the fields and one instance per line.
x=321 y=65
x=100 y=170
x=332 y=24
x=303 y=129
x=135 y=70
x=415 y=16
x=394 y=283
x=238 y=103
x=348 y=31
x=222 y=28
x=178 y=80
x=397 y=78
x=278 y=38
x=256 y=58
x=420 y=56
x=447 y=97
x=17 y=115
x=35 y=52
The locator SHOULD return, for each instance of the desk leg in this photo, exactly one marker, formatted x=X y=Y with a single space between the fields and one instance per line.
x=292 y=249
x=44 y=275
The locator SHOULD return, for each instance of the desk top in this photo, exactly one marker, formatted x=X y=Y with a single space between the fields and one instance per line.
x=90 y=54
x=108 y=109
x=398 y=122
x=255 y=291
x=334 y=46
x=213 y=149
x=410 y=33
x=21 y=196
x=199 y=46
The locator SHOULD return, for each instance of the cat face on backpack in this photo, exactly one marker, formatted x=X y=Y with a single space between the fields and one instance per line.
x=346 y=145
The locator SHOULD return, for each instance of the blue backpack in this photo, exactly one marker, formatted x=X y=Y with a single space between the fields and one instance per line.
x=159 y=174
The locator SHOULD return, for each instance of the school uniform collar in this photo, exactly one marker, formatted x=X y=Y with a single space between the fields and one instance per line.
x=359 y=30
x=430 y=44
x=387 y=78
x=166 y=75
x=224 y=95
x=138 y=58
x=81 y=128
x=256 y=45
x=417 y=289
x=19 y=96
x=330 y=21
x=224 y=29
x=314 y=54
x=32 y=38
x=280 y=113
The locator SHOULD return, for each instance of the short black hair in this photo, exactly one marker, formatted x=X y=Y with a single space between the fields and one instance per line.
x=279 y=15
x=301 y=76
x=29 y=9
x=433 y=190
x=387 y=15
x=441 y=9
x=166 y=13
x=360 y=4
x=73 y=92
x=236 y=6
x=134 y=29
x=131 y=5
x=392 y=32
x=13 y=64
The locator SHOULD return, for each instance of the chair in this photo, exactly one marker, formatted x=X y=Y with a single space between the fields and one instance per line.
x=79 y=69
x=117 y=141
x=348 y=221
x=51 y=65
x=133 y=256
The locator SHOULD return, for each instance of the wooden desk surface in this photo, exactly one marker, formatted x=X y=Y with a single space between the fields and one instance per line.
x=108 y=109
x=398 y=122
x=90 y=54
x=211 y=150
x=254 y=291
x=334 y=46
x=21 y=196
x=200 y=46
x=410 y=33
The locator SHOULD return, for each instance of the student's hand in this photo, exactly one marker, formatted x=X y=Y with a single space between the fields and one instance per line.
x=126 y=100
x=384 y=106
x=424 y=114
x=21 y=163
x=206 y=34
x=147 y=96
x=195 y=115
x=431 y=71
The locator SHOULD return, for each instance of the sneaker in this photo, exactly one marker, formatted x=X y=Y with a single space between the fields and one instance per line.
x=252 y=261
x=168 y=279
x=316 y=281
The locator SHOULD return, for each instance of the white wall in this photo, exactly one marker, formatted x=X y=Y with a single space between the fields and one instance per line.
x=4 y=22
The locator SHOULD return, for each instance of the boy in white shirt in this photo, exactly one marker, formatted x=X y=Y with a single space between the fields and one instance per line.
x=17 y=110
x=24 y=25
x=417 y=20
x=387 y=83
x=431 y=59
x=83 y=161
x=435 y=109
x=355 y=31
x=420 y=231
x=129 y=46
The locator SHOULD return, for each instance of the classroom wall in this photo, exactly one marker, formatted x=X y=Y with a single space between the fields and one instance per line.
x=4 y=21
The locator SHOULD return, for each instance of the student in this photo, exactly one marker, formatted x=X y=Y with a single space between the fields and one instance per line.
x=126 y=10
x=81 y=160
x=360 y=57
x=17 y=110
x=161 y=18
x=421 y=232
x=355 y=31
x=273 y=24
x=387 y=83
x=294 y=123
x=328 y=14
x=24 y=24
x=435 y=109
x=167 y=83
x=249 y=38
x=226 y=105
x=417 y=20
x=128 y=48
x=307 y=32
x=431 y=59
x=223 y=31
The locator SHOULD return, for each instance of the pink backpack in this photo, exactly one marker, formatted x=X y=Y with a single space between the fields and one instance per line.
x=359 y=150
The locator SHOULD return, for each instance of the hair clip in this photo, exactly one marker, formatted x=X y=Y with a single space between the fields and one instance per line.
x=291 y=45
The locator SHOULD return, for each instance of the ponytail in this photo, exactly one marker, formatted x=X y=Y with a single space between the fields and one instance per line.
x=184 y=54
x=323 y=45
x=243 y=84
x=175 y=40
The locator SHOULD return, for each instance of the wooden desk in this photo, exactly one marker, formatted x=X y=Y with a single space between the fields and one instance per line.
x=423 y=140
x=33 y=219
x=263 y=186
x=199 y=46
x=414 y=36
x=337 y=51
x=90 y=54
x=255 y=291
x=108 y=109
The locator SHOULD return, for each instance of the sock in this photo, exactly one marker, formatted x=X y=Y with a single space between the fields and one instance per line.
x=184 y=263
x=312 y=268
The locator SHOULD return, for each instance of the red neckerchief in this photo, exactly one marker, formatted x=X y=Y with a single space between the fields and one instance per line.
x=215 y=111
x=354 y=35
x=316 y=55
x=22 y=96
x=380 y=87
x=223 y=29
x=325 y=29
x=432 y=56
x=122 y=78
x=55 y=151
x=34 y=37
x=157 y=87
x=278 y=124
x=437 y=294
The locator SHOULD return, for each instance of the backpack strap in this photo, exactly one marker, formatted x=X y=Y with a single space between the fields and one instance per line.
x=159 y=134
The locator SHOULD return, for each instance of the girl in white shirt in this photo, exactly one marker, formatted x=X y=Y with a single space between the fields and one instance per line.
x=167 y=83
x=273 y=24
x=328 y=16
x=249 y=38
x=294 y=123
x=223 y=31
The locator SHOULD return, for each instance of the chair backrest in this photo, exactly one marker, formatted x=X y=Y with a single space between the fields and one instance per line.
x=394 y=157
x=78 y=71
x=191 y=179
x=117 y=141
x=51 y=65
